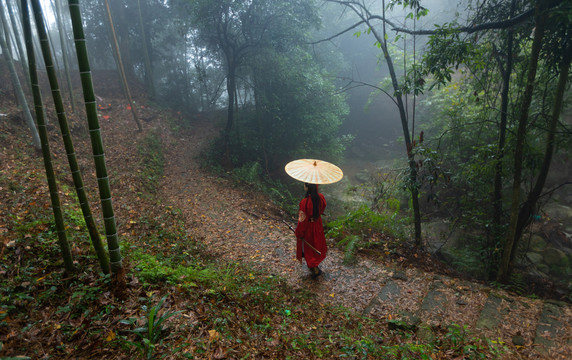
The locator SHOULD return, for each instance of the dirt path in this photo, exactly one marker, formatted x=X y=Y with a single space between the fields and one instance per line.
x=234 y=226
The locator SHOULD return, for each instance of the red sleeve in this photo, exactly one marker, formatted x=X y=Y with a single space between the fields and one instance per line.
x=302 y=219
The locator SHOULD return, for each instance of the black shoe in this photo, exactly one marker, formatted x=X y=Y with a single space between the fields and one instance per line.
x=315 y=272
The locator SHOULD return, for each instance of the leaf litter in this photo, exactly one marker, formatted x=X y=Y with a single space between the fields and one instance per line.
x=235 y=225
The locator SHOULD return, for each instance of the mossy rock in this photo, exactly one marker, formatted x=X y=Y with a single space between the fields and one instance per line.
x=534 y=257
x=537 y=243
x=555 y=257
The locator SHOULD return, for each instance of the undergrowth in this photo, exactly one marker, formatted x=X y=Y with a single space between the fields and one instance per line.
x=366 y=228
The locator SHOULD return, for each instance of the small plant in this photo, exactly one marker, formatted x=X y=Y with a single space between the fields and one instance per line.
x=152 y=332
x=350 y=243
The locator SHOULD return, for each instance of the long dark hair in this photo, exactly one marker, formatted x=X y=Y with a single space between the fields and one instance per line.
x=312 y=193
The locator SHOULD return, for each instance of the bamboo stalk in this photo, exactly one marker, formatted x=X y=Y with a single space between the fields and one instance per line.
x=116 y=262
x=50 y=174
x=68 y=143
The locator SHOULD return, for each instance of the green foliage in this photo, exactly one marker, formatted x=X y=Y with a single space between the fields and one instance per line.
x=350 y=243
x=249 y=173
x=151 y=332
x=364 y=221
x=449 y=50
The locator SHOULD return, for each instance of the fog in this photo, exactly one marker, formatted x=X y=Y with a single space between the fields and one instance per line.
x=374 y=117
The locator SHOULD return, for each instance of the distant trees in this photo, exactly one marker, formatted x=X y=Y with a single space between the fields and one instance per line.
x=527 y=61
x=6 y=52
x=289 y=104
x=477 y=129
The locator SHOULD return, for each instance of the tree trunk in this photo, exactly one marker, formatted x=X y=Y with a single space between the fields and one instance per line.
x=121 y=29
x=68 y=144
x=540 y=18
x=121 y=68
x=50 y=174
x=17 y=40
x=497 y=193
x=231 y=91
x=18 y=86
x=527 y=209
x=116 y=264
x=149 y=81
x=405 y=128
x=61 y=31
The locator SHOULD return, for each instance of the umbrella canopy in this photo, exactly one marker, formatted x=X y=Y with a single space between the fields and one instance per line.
x=313 y=171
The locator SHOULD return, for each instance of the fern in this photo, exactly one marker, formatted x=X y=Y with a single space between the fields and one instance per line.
x=351 y=243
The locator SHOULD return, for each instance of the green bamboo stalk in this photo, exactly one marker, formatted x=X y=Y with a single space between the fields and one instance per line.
x=68 y=143
x=116 y=264
x=50 y=174
x=17 y=85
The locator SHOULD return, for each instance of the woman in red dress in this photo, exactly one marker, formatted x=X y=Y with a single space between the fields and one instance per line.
x=311 y=241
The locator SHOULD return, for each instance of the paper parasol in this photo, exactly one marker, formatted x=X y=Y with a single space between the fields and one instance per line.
x=314 y=171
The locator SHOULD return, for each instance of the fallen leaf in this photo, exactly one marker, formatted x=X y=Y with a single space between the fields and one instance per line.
x=213 y=335
x=110 y=336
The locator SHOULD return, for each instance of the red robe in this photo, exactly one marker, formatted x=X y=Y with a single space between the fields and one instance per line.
x=312 y=232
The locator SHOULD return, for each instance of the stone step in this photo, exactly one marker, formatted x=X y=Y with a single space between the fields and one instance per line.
x=389 y=293
x=433 y=304
x=544 y=324
x=550 y=327
x=491 y=314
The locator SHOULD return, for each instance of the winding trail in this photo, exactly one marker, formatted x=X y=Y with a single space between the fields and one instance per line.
x=240 y=227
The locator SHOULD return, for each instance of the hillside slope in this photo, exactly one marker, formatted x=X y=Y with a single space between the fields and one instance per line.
x=230 y=224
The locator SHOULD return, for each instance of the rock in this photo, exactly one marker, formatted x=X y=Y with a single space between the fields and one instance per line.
x=553 y=256
x=400 y=325
x=534 y=257
x=461 y=302
x=558 y=212
x=446 y=254
x=518 y=340
x=400 y=275
x=425 y=334
x=537 y=243
x=543 y=268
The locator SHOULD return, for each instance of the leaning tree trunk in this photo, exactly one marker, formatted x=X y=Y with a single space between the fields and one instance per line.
x=59 y=22
x=413 y=186
x=17 y=40
x=529 y=205
x=121 y=68
x=50 y=175
x=540 y=20
x=18 y=86
x=116 y=265
x=68 y=143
